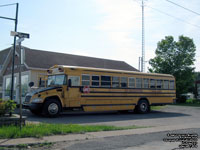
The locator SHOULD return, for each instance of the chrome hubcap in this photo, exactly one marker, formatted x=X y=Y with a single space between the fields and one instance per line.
x=143 y=107
x=53 y=109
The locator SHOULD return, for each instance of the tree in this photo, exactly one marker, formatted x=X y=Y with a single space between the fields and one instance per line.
x=176 y=58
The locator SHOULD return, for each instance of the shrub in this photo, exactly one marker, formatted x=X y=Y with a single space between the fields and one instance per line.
x=7 y=107
x=2 y=108
x=10 y=106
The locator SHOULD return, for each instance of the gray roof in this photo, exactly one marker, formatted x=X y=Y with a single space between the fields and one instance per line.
x=46 y=59
x=3 y=55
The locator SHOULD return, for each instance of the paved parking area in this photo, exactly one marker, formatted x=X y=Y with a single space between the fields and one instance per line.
x=170 y=115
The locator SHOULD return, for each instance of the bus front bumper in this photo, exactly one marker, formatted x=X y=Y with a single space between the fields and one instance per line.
x=33 y=106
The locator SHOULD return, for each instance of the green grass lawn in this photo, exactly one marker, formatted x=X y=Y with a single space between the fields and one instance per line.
x=157 y=107
x=40 y=130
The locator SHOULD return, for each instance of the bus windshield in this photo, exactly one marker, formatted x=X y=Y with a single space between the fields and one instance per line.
x=56 y=80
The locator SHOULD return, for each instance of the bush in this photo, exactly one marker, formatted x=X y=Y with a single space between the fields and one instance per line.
x=7 y=107
x=10 y=106
x=2 y=108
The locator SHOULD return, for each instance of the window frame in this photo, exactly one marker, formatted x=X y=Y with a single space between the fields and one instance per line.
x=131 y=82
x=95 y=81
x=85 y=80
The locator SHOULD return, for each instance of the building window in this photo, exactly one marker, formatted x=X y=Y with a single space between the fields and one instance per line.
x=124 y=82
x=85 y=80
x=24 y=85
x=152 y=83
x=166 y=84
x=75 y=80
x=105 y=81
x=131 y=82
x=138 y=83
x=95 y=80
x=115 y=82
x=8 y=87
x=146 y=83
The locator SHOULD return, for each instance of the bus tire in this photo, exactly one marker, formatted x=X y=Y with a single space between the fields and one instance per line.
x=142 y=107
x=52 y=108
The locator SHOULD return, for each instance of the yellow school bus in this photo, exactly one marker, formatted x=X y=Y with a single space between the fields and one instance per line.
x=72 y=88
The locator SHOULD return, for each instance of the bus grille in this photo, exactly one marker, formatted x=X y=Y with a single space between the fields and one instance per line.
x=27 y=99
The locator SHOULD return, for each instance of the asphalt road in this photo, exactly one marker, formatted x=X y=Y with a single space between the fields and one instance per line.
x=151 y=141
x=169 y=116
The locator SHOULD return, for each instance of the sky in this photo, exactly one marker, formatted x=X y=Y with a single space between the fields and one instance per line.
x=110 y=29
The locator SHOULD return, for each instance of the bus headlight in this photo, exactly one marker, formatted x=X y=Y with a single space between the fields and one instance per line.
x=36 y=100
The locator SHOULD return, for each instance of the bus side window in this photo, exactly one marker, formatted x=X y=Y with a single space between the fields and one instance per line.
x=166 y=84
x=138 y=83
x=131 y=82
x=124 y=82
x=171 y=84
x=75 y=80
x=85 y=79
x=146 y=83
x=159 y=84
x=105 y=81
x=115 y=82
x=95 y=80
x=152 y=83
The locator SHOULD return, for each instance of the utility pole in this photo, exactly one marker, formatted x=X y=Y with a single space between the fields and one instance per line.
x=21 y=37
x=139 y=68
x=143 y=42
x=14 y=45
x=13 y=56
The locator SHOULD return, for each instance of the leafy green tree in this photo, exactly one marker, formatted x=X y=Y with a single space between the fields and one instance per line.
x=176 y=58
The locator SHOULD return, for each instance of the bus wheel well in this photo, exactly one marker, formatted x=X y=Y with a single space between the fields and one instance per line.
x=53 y=98
x=143 y=99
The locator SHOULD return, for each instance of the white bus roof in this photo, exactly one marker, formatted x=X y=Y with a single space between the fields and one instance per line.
x=109 y=70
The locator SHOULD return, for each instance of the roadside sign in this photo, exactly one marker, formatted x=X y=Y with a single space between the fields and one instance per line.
x=20 y=34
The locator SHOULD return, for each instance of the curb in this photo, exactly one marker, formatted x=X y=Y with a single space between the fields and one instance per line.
x=91 y=135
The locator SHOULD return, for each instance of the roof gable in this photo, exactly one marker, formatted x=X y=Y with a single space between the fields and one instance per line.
x=46 y=59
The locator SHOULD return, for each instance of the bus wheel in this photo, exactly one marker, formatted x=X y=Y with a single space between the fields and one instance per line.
x=142 y=107
x=52 y=108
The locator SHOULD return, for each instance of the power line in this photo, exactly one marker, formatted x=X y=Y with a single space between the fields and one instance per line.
x=8 y=5
x=183 y=7
x=174 y=17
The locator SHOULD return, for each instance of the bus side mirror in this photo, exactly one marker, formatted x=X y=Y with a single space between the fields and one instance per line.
x=31 y=84
x=69 y=83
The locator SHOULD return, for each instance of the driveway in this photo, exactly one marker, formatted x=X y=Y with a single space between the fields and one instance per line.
x=170 y=115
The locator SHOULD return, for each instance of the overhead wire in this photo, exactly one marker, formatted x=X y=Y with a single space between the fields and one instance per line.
x=8 y=5
x=173 y=17
x=194 y=12
x=169 y=15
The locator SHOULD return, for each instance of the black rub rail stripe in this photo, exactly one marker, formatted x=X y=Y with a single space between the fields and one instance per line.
x=107 y=104
x=120 y=96
x=132 y=92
